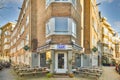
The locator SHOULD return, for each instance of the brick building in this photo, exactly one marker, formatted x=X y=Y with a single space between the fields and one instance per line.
x=6 y=31
x=49 y=32
x=92 y=34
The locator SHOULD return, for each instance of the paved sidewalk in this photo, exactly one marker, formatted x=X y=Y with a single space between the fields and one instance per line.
x=108 y=74
x=5 y=74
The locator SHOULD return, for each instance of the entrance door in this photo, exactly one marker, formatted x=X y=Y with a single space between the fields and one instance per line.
x=61 y=62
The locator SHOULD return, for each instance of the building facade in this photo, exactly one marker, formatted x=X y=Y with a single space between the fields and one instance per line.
x=109 y=41
x=20 y=37
x=92 y=33
x=0 y=47
x=5 y=40
x=117 y=47
x=49 y=33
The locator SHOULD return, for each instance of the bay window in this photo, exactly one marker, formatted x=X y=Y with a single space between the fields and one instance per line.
x=61 y=26
x=48 y=28
x=73 y=28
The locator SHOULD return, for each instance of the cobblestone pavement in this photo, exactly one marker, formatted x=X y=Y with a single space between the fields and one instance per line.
x=108 y=74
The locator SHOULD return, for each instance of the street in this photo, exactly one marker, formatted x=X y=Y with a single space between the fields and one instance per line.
x=108 y=74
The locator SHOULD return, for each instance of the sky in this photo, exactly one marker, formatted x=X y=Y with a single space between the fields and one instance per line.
x=109 y=9
x=9 y=11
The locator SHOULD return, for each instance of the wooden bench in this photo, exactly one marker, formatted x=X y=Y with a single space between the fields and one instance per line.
x=89 y=72
x=31 y=73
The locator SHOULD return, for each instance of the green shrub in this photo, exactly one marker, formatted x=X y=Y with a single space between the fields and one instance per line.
x=49 y=75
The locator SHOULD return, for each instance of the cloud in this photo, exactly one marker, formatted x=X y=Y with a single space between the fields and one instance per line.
x=116 y=26
x=109 y=1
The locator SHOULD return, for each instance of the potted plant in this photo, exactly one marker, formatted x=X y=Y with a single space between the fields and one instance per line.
x=49 y=61
x=94 y=49
x=70 y=61
x=49 y=75
x=71 y=75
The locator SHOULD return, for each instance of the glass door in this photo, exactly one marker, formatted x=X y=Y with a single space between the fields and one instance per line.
x=61 y=63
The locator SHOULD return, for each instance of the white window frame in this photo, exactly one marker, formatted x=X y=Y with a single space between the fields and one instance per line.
x=70 y=31
x=22 y=30
x=48 y=28
x=27 y=20
x=74 y=30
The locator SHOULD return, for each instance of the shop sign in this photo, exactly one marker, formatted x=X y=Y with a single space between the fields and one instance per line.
x=61 y=47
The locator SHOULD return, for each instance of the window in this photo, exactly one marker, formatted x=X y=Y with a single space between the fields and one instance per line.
x=7 y=33
x=93 y=39
x=27 y=20
x=94 y=23
x=48 y=2
x=43 y=60
x=13 y=26
x=73 y=28
x=5 y=40
x=14 y=40
x=106 y=31
x=22 y=30
x=22 y=43
x=48 y=28
x=27 y=39
x=6 y=46
x=14 y=32
x=105 y=40
x=61 y=24
x=27 y=2
x=73 y=2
